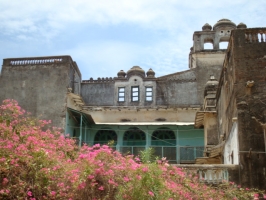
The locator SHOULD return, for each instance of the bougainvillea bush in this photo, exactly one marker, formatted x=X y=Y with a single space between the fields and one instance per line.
x=38 y=162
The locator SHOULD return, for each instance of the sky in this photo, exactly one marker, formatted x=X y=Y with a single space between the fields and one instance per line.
x=106 y=36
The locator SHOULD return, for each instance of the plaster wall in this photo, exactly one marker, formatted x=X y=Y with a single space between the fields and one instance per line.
x=231 y=149
x=144 y=115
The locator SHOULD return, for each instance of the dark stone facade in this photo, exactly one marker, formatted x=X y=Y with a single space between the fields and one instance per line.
x=242 y=96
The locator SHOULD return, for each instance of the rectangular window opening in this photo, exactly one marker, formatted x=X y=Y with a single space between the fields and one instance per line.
x=121 y=94
x=135 y=93
x=148 y=94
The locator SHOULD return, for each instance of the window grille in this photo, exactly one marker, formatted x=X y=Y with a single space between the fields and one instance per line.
x=121 y=94
x=148 y=94
x=135 y=93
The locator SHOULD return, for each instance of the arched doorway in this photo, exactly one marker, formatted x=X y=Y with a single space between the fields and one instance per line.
x=134 y=137
x=163 y=137
x=163 y=141
x=104 y=136
x=134 y=140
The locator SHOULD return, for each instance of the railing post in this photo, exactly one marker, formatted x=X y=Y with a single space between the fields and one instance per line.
x=195 y=152
x=177 y=154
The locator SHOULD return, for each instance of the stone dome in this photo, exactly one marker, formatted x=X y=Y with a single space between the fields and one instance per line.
x=150 y=73
x=136 y=70
x=241 y=25
x=207 y=27
x=224 y=23
x=121 y=74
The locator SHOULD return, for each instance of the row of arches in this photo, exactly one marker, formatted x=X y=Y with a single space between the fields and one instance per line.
x=136 y=137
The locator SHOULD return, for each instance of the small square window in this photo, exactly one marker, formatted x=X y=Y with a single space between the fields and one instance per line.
x=148 y=94
x=121 y=94
x=135 y=93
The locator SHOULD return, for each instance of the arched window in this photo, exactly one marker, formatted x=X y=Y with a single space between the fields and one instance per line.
x=163 y=137
x=104 y=136
x=134 y=137
x=208 y=43
x=223 y=45
x=208 y=46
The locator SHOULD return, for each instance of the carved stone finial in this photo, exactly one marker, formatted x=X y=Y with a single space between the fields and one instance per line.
x=69 y=90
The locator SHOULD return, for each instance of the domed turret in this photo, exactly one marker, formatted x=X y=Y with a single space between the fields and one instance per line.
x=207 y=27
x=224 y=23
x=121 y=74
x=136 y=70
x=241 y=25
x=150 y=73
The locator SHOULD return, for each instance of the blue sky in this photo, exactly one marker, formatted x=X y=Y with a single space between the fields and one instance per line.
x=105 y=36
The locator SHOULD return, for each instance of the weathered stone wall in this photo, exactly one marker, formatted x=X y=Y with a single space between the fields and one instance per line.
x=75 y=78
x=203 y=74
x=250 y=61
x=179 y=89
x=98 y=93
x=210 y=129
x=245 y=62
x=39 y=85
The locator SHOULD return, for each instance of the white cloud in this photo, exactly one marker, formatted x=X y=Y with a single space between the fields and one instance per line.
x=46 y=27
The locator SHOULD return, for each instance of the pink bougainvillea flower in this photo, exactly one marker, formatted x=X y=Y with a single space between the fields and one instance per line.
x=126 y=179
x=53 y=193
x=29 y=193
x=145 y=169
x=90 y=177
x=101 y=188
x=151 y=193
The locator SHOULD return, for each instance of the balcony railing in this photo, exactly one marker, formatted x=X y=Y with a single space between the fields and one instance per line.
x=256 y=35
x=180 y=154
x=211 y=174
x=132 y=150
x=37 y=60
x=188 y=154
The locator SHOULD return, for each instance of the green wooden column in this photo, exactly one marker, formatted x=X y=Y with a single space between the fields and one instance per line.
x=80 y=130
x=177 y=147
x=85 y=136
x=148 y=137
x=120 y=134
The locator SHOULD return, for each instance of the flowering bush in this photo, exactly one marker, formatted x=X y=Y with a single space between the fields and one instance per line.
x=38 y=162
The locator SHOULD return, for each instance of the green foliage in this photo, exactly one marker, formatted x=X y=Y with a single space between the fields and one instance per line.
x=147 y=156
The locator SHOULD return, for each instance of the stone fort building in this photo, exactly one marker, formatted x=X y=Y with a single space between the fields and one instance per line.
x=213 y=113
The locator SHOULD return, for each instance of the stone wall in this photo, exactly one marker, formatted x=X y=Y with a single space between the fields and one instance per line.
x=98 y=92
x=243 y=99
x=40 y=85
